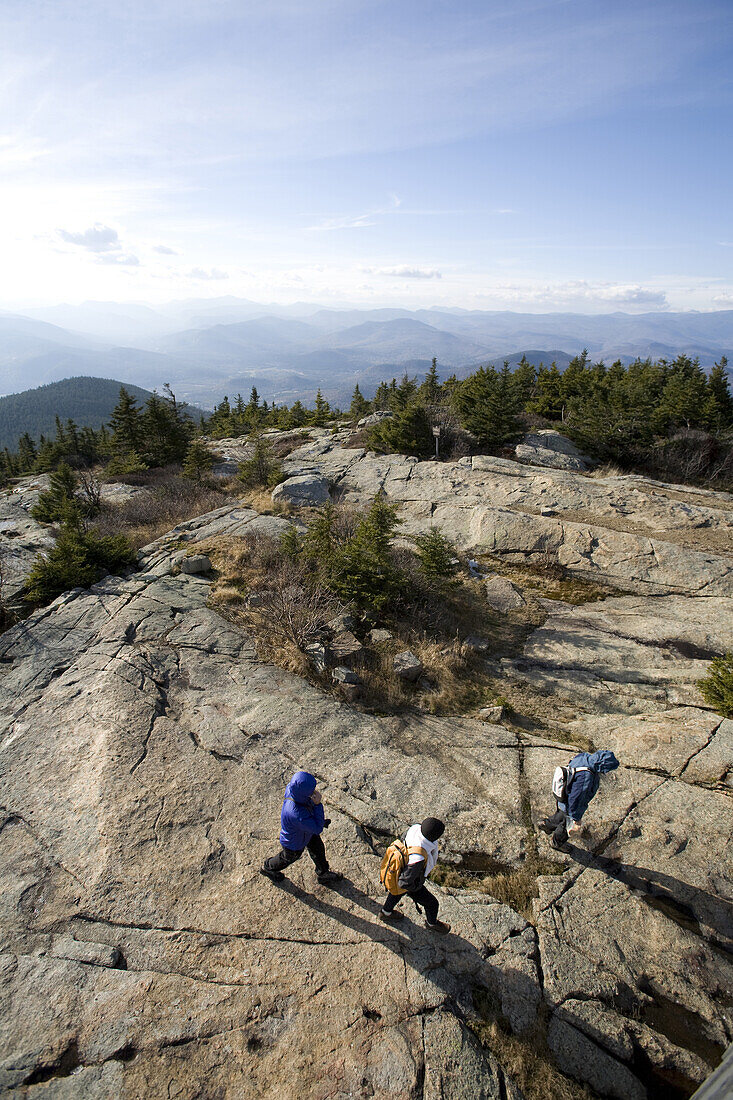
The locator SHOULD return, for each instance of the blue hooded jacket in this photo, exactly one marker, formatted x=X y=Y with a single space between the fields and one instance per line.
x=300 y=818
x=584 y=785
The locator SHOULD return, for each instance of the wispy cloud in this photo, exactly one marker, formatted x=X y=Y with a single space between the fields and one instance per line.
x=207 y=274
x=355 y=221
x=98 y=238
x=164 y=250
x=405 y=272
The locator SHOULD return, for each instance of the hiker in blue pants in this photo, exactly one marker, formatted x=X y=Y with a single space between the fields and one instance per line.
x=583 y=780
x=302 y=821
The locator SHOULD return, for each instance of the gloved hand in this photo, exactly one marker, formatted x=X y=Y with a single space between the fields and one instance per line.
x=327 y=822
x=316 y=797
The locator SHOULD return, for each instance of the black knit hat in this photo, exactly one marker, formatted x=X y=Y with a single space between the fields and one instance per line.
x=431 y=828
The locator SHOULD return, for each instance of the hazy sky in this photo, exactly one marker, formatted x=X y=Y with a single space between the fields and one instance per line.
x=528 y=154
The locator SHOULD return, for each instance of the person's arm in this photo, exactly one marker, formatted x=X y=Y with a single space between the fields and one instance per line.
x=581 y=792
x=413 y=876
x=308 y=816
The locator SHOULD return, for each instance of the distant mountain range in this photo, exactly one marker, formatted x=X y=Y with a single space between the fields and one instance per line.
x=206 y=348
x=87 y=401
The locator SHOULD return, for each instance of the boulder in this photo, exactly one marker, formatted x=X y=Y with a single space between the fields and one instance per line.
x=407 y=666
x=542 y=456
x=319 y=656
x=343 y=675
x=195 y=563
x=374 y=418
x=304 y=491
x=493 y=713
x=378 y=635
x=502 y=595
x=476 y=644
x=346 y=648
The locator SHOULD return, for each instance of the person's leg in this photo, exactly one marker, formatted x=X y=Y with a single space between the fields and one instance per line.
x=551 y=823
x=560 y=833
x=387 y=911
x=275 y=865
x=428 y=901
x=317 y=852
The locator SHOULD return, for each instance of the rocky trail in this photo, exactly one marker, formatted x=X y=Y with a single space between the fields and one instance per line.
x=144 y=749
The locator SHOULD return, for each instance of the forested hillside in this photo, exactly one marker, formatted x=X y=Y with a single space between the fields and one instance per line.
x=87 y=401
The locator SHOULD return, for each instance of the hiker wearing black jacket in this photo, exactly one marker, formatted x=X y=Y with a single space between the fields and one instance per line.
x=422 y=842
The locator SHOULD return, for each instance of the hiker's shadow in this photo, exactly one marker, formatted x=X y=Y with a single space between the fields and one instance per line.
x=687 y=905
x=450 y=962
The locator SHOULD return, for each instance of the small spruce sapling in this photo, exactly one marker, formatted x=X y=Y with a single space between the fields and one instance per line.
x=717 y=686
x=437 y=556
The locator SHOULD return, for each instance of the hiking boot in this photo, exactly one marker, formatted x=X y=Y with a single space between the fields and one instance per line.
x=439 y=926
x=388 y=918
x=547 y=828
x=275 y=876
x=558 y=847
x=328 y=878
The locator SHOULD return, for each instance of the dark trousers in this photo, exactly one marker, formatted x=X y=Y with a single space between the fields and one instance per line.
x=421 y=897
x=286 y=856
x=559 y=822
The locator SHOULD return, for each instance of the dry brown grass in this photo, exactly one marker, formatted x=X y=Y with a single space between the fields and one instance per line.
x=549 y=579
x=516 y=887
x=527 y=1059
x=166 y=500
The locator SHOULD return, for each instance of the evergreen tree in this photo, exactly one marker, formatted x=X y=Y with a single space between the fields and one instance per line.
x=322 y=411
x=126 y=425
x=364 y=572
x=291 y=543
x=262 y=470
x=59 y=502
x=524 y=381
x=431 y=390
x=381 y=397
x=359 y=405
x=198 y=461
x=549 y=400
x=488 y=405
x=719 y=402
x=77 y=559
x=166 y=429
x=717 y=686
x=409 y=433
x=26 y=452
x=437 y=555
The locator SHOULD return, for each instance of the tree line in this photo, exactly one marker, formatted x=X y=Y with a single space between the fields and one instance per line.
x=651 y=411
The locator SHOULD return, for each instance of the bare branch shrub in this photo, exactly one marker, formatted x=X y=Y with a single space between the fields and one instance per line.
x=296 y=608
x=166 y=502
x=90 y=490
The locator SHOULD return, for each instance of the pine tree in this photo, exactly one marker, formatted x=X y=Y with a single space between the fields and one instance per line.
x=291 y=542
x=26 y=452
x=125 y=424
x=77 y=559
x=430 y=390
x=59 y=502
x=549 y=400
x=359 y=405
x=262 y=470
x=198 y=461
x=319 y=416
x=409 y=433
x=437 y=555
x=719 y=402
x=717 y=686
x=364 y=572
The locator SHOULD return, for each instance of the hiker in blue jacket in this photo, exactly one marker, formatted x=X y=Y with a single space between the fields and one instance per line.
x=302 y=821
x=584 y=778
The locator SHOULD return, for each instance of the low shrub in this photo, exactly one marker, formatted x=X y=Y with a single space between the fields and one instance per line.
x=717 y=686
x=168 y=500
x=78 y=558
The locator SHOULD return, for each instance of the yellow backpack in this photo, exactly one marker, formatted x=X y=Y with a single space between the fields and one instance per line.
x=394 y=861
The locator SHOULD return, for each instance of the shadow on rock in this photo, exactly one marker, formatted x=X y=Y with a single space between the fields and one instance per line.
x=689 y=906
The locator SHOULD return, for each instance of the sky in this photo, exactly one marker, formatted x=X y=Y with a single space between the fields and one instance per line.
x=534 y=155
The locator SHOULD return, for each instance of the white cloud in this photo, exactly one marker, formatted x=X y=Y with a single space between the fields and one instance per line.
x=405 y=272
x=121 y=259
x=211 y=273
x=98 y=238
x=355 y=221
x=164 y=250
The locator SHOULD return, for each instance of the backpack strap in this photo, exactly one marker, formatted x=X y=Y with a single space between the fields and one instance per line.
x=417 y=852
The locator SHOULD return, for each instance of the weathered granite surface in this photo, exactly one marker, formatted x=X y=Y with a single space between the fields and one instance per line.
x=627 y=531
x=143 y=751
x=142 y=759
